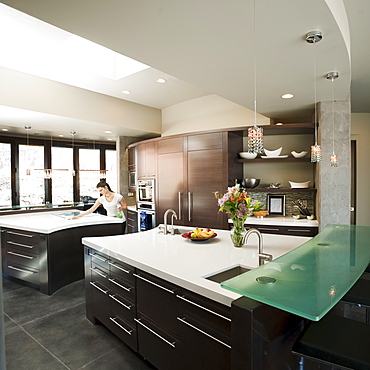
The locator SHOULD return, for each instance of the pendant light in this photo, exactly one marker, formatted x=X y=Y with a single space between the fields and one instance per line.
x=28 y=128
x=333 y=76
x=73 y=133
x=314 y=37
x=255 y=133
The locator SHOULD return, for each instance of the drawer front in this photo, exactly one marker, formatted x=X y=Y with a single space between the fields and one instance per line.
x=267 y=229
x=20 y=257
x=124 y=330
x=101 y=307
x=157 y=345
x=300 y=231
x=99 y=273
x=21 y=272
x=122 y=270
x=121 y=306
x=212 y=316
x=22 y=240
x=99 y=259
x=156 y=298
x=122 y=287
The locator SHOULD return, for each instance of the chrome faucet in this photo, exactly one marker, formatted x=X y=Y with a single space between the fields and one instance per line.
x=165 y=231
x=262 y=257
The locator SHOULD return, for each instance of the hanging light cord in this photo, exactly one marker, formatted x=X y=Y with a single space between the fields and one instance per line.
x=314 y=84
x=332 y=105
x=255 y=64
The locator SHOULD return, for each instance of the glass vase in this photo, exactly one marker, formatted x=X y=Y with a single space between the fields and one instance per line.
x=238 y=232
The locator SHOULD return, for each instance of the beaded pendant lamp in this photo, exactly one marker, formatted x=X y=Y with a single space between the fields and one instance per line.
x=333 y=76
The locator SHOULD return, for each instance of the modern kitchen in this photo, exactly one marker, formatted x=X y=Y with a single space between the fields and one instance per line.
x=241 y=155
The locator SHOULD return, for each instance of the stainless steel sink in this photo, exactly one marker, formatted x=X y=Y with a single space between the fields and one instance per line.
x=228 y=274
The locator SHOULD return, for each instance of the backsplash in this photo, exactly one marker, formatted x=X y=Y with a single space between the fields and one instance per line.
x=307 y=198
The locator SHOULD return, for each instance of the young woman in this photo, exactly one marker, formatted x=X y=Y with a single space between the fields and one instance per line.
x=111 y=201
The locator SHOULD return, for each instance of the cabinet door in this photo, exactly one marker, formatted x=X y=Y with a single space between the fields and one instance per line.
x=205 y=176
x=146 y=160
x=140 y=160
x=171 y=187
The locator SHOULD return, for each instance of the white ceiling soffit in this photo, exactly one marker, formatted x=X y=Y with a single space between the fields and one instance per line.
x=209 y=44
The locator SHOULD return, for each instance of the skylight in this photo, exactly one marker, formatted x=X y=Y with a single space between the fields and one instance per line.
x=32 y=46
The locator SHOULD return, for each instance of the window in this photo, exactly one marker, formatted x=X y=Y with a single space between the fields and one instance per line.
x=62 y=181
x=31 y=182
x=5 y=175
x=111 y=167
x=89 y=160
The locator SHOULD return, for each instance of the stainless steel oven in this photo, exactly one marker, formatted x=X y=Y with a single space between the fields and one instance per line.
x=145 y=194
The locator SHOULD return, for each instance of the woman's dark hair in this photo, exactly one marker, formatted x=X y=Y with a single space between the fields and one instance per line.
x=103 y=184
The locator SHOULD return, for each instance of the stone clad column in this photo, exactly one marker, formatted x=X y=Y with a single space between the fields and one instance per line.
x=334 y=183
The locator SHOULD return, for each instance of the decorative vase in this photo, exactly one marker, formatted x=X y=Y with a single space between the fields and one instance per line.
x=238 y=232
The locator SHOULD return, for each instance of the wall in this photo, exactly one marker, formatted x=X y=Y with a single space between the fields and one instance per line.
x=361 y=133
x=207 y=113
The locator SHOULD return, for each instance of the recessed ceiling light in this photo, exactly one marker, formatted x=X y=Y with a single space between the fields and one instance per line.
x=287 y=96
x=110 y=139
x=60 y=135
x=107 y=132
x=161 y=80
x=4 y=129
x=278 y=124
x=126 y=92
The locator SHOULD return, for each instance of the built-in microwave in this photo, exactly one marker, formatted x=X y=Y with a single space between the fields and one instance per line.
x=132 y=180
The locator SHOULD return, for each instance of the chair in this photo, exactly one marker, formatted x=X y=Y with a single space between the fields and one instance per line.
x=336 y=341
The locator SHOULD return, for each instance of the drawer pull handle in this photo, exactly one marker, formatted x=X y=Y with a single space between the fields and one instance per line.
x=119 y=267
x=21 y=270
x=119 y=325
x=19 y=234
x=20 y=245
x=268 y=229
x=95 y=255
x=300 y=230
x=98 y=287
x=96 y=270
x=152 y=331
x=203 y=332
x=155 y=284
x=118 y=284
x=203 y=308
x=20 y=255
x=121 y=303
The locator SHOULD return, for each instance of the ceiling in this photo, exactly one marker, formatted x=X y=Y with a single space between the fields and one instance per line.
x=207 y=47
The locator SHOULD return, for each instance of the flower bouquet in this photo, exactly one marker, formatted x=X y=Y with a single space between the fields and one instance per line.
x=239 y=205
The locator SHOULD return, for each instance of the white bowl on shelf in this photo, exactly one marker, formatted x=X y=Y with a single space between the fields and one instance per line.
x=299 y=155
x=273 y=153
x=299 y=185
x=246 y=155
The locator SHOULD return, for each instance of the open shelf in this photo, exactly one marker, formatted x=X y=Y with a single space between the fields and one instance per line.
x=282 y=190
x=272 y=160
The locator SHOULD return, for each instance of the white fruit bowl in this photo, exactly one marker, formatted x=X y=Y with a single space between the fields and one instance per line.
x=299 y=155
x=273 y=153
x=299 y=185
x=246 y=155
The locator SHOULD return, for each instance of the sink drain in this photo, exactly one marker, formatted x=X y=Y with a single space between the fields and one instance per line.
x=266 y=280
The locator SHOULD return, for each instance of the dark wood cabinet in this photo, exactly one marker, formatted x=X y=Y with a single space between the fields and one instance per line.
x=190 y=169
x=146 y=157
x=110 y=295
x=131 y=158
x=285 y=230
x=132 y=222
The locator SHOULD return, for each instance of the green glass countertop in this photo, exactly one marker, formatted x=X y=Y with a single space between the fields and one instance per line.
x=312 y=278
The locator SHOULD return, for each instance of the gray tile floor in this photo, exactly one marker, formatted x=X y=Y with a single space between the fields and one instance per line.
x=51 y=333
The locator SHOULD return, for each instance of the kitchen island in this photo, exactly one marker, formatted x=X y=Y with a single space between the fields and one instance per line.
x=161 y=295
x=45 y=250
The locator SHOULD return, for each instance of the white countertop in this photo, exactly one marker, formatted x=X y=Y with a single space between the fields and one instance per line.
x=51 y=221
x=281 y=221
x=186 y=263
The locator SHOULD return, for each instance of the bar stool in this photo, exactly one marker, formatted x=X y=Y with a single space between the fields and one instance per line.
x=336 y=341
x=359 y=295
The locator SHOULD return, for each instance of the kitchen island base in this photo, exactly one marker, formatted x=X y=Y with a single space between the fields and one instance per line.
x=48 y=261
